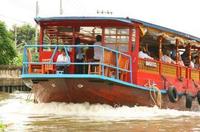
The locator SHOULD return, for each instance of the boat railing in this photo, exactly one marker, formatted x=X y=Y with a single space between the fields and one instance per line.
x=41 y=59
x=166 y=69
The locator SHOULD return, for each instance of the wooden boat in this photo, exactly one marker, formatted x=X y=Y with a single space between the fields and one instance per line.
x=120 y=77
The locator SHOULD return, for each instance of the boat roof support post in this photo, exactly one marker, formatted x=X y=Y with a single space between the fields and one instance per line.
x=177 y=53
x=177 y=59
x=103 y=36
x=72 y=68
x=190 y=53
x=130 y=40
x=135 y=54
x=160 y=41
x=41 y=37
x=57 y=36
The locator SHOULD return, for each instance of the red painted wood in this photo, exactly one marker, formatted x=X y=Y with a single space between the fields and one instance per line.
x=41 y=38
x=103 y=36
x=135 y=54
x=103 y=92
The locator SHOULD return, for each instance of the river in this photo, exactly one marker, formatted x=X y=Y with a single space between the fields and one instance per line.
x=19 y=113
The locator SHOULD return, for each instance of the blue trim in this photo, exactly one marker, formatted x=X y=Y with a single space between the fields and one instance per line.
x=54 y=52
x=117 y=55
x=120 y=19
x=50 y=76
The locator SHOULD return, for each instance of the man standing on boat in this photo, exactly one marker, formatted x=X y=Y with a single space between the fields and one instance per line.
x=63 y=61
x=98 y=52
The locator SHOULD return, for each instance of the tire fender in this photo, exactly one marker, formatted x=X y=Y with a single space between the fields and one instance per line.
x=198 y=97
x=188 y=102
x=172 y=94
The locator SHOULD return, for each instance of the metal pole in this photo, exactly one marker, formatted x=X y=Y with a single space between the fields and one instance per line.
x=36 y=26
x=61 y=9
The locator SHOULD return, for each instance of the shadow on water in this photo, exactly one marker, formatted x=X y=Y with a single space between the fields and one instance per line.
x=20 y=114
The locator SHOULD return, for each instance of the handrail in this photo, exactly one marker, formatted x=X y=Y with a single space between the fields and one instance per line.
x=187 y=69
x=102 y=64
x=38 y=63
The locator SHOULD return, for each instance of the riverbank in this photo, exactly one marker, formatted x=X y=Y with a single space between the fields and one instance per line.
x=10 y=79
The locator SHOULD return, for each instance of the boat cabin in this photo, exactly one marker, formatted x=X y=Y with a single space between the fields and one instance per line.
x=117 y=49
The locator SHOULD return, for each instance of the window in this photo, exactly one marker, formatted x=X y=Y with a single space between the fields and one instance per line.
x=88 y=34
x=58 y=35
x=133 y=39
x=117 y=38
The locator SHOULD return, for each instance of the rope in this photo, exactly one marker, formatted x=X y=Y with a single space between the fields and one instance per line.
x=150 y=93
x=156 y=96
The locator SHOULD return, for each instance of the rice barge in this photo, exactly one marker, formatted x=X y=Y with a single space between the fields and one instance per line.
x=139 y=63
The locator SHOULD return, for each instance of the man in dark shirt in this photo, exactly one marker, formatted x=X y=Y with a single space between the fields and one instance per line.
x=186 y=56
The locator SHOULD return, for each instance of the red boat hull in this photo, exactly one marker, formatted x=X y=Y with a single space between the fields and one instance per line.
x=103 y=92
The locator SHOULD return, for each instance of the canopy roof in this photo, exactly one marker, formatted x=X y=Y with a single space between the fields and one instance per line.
x=127 y=21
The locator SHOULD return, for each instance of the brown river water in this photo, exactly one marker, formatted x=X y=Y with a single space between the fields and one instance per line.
x=19 y=114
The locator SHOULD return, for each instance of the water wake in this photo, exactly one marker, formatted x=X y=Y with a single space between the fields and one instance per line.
x=18 y=107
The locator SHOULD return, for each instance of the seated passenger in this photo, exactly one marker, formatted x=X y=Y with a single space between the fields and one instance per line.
x=173 y=52
x=197 y=62
x=63 y=58
x=165 y=58
x=191 y=64
x=185 y=56
x=180 y=61
x=143 y=54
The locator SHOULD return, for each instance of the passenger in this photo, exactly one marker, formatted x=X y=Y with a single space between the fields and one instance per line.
x=63 y=58
x=173 y=53
x=143 y=54
x=98 y=52
x=79 y=57
x=180 y=61
x=186 y=57
x=191 y=64
x=165 y=58
x=197 y=62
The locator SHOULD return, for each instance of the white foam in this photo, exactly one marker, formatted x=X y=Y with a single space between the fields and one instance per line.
x=17 y=107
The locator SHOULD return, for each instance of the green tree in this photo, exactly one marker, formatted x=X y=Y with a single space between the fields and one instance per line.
x=24 y=34
x=21 y=35
x=7 y=50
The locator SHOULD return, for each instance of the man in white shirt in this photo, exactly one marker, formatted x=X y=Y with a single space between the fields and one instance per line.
x=98 y=52
x=63 y=58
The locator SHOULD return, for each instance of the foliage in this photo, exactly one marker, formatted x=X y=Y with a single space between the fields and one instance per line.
x=24 y=34
x=7 y=50
x=17 y=61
